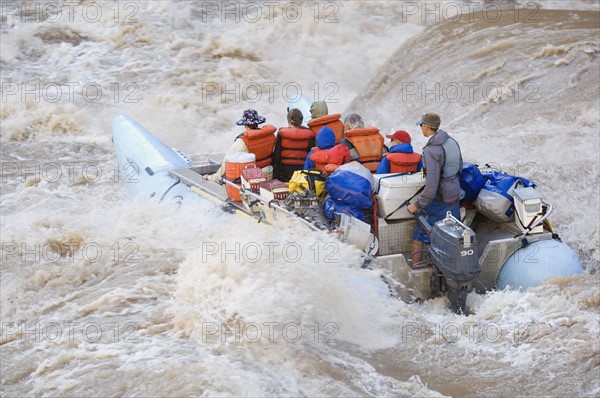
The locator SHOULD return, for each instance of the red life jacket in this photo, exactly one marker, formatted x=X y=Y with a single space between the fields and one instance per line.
x=295 y=143
x=403 y=162
x=338 y=155
x=261 y=143
x=331 y=121
x=369 y=145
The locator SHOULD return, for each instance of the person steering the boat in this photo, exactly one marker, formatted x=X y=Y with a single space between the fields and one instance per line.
x=292 y=146
x=400 y=157
x=442 y=163
x=259 y=141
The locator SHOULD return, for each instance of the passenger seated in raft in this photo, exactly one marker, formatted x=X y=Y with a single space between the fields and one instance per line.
x=352 y=122
x=321 y=118
x=365 y=144
x=260 y=142
x=400 y=157
x=292 y=146
x=327 y=156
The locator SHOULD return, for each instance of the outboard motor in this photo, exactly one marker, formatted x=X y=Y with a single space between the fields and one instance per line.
x=455 y=260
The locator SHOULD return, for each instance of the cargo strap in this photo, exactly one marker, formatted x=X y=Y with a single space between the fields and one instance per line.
x=406 y=202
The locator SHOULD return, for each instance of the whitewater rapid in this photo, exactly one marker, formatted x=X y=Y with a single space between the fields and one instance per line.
x=101 y=295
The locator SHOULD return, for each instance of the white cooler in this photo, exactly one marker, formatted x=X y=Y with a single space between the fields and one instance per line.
x=393 y=191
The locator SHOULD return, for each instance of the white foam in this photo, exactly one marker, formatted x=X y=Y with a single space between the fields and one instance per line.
x=163 y=305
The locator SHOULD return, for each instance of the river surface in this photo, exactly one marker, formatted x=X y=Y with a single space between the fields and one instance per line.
x=102 y=295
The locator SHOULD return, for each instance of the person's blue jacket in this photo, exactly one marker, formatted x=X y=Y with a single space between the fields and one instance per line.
x=384 y=165
x=325 y=140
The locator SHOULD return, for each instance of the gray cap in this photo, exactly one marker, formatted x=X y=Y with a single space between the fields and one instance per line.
x=431 y=120
x=318 y=109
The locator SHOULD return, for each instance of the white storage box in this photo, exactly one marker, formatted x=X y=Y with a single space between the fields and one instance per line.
x=395 y=190
x=528 y=205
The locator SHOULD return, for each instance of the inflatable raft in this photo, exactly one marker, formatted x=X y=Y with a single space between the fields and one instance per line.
x=473 y=252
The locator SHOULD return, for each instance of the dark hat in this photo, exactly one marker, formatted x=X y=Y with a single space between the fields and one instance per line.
x=250 y=118
x=401 y=136
x=325 y=138
x=430 y=119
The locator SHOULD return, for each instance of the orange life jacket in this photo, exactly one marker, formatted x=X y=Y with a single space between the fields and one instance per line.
x=403 y=162
x=369 y=145
x=331 y=121
x=261 y=143
x=338 y=155
x=295 y=143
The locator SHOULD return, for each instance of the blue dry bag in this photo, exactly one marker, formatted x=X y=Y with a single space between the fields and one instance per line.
x=471 y=181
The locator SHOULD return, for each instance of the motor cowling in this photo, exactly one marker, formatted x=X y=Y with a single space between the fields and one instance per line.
x=453 y=252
